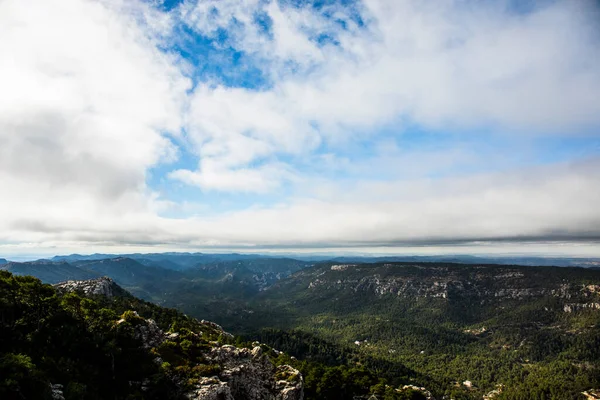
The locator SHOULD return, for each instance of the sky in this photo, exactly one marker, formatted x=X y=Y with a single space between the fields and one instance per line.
x=406 y=126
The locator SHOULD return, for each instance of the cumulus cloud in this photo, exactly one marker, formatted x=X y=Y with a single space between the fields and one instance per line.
x=438 y=65
x=94 y=96
x=86 y=99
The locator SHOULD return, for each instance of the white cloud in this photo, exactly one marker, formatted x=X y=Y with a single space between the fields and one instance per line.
x=211 y=175
x=439 y=65
x=553 y=203
x=87 y=101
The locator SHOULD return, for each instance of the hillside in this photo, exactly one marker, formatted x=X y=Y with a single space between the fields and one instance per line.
x=49 y=271
x=533 y=330
x=200 y=287
x=93 y=340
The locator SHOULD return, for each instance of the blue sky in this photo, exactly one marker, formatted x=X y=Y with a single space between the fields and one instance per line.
x=202 y=125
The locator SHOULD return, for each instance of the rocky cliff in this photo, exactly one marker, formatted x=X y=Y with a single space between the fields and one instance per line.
x=483 y=283
x=100 y=286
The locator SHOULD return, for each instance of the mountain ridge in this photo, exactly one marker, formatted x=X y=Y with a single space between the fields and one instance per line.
x=189 y=259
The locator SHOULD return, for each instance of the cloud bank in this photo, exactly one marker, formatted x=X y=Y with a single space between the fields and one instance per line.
x=360 y=124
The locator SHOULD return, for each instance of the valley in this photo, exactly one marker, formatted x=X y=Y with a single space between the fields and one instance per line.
x=461 y=331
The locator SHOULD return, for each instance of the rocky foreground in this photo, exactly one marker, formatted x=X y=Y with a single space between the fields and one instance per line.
x=239 y=373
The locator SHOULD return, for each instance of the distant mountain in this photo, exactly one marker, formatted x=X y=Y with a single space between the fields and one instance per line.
x=3 y=261
x=124 y=271
x=79 y=257
x=182 y=261
x=468 y=259
x=49 y=271
x=157 y=278
x=161 y=263
x=142 y=280
x=145 y=281
x=174 y=261
x=259 y=272
x=128 y=272
x=458 y=285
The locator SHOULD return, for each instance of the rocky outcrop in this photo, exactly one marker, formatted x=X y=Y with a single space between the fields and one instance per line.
x=211 y=389
x=100 y=286
x=244 y=374
x=340 y=267
x=493 y=394
x=592 y=394
x=56 y=391
x=590 y=290
x=216 y=327
x=426 y=393
x=145 y=330
x=249 y=375
x=574 y=307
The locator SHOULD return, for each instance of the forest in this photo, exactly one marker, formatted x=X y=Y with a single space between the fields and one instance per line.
x=89 y=345
x=393 y=330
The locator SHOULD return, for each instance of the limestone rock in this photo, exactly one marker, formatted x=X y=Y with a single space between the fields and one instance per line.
x=494 y=393
x=211 y=389
x=150 y=334
x=249 y=375
x=100 y=286
x=573 y=307
x=57 y=392
x=592 y=394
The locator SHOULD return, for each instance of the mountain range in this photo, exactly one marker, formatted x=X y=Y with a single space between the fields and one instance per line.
x=459 y=330
x=174 y=260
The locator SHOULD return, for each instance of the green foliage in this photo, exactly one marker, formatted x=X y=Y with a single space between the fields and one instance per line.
x=529 y=345
x=20 y=378
x=90 y=345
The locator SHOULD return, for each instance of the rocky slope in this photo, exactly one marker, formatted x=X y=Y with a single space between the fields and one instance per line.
x=103 y=286
x=248 y=374
x=238 y=373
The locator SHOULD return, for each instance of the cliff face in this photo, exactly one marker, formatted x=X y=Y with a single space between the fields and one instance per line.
x=485 y=283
